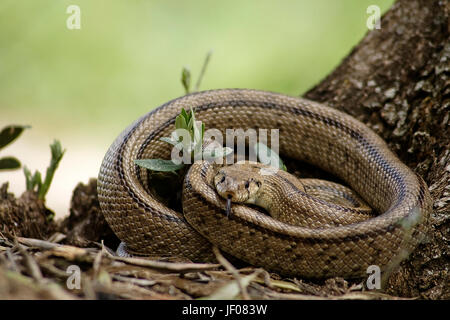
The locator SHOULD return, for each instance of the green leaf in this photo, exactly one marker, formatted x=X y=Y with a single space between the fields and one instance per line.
x=186 y=79
x=268 y=156
x=192 y=115
x=10 y=133
x=180 y=122
x=184 y=114
x=32 y=181
x=28 y=178
x=169 y=140
x=197 y=129
x=57 y=154
x=203 y=130
x=57 y=151
x=36 y=181
x=158 y=164
x=190 y=124
x=202 y=72
x=9 y=163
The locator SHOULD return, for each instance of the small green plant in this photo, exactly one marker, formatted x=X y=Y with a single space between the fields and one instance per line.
x=188 y=134
x=186 y=123
x=34 y=181
x=8 y=135
x=186 y=75
x=191 y=142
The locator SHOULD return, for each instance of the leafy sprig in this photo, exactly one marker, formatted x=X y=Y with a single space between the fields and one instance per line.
x=189 y=133
x=34 y=181
x=7 y=136
x=191 y=142
x=186 y=75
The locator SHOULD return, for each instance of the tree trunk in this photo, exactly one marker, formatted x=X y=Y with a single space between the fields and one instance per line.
x=397 y=81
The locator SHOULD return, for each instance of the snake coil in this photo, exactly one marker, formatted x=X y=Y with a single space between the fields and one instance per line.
x=310 y=132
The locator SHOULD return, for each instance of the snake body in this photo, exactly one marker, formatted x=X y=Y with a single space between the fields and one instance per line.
x=310 y=132
x=310 y=203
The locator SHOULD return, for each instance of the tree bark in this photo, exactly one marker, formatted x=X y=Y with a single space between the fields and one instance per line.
x=397 y=81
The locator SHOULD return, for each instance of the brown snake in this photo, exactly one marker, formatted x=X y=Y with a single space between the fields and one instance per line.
x=310 y=132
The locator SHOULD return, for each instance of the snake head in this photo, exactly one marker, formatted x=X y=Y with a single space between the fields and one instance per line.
x=238 y=183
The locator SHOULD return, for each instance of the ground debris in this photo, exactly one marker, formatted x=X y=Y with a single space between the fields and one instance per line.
x=37 y=269
x=24 y=216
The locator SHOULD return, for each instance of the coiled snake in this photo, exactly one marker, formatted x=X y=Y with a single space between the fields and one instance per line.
x=310 y=132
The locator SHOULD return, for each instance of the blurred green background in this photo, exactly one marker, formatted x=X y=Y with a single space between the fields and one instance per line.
x=84 y=86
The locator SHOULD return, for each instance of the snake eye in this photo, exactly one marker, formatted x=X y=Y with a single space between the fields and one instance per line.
x=247 y=184
x=222 y=180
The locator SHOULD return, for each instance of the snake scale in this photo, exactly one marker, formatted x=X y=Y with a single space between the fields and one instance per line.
x=309 y=132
